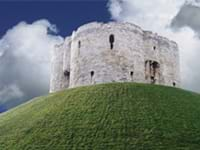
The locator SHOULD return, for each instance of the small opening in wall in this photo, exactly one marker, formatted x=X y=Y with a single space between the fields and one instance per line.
x=174 y=84
x=79 y=44
x=111 y=40
x=92 y=73
x=154 y=48
x=66 y=73
x=131 y=73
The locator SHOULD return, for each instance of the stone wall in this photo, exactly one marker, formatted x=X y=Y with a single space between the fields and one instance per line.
x=114 y=52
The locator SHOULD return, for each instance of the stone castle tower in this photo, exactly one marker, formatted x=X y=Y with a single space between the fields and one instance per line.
x=114 y=52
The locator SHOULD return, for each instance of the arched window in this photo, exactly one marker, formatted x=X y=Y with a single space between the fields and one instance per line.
x=174 y=84
x=131 y=73
x=92 y=74
x=111 y=40
x=92 y=77
x=154 y=48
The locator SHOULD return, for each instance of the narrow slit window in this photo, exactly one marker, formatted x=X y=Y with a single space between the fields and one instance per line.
x=131 y=76
x=154 y=48
x=79 y=44
x=174 y=84
x=92 y=77
x=112 y=40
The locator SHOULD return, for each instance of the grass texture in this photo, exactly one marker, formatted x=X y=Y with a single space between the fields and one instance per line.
x=117 y=116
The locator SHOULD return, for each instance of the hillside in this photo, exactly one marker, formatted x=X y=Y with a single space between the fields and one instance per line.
x=108 y=116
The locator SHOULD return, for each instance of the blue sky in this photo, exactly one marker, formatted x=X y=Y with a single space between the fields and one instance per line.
x=66 y=15
x=30 y=29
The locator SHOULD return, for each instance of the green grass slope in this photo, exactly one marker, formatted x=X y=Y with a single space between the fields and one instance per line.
x=108 y=116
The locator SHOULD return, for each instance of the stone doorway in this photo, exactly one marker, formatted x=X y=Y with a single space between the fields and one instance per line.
x=152 y=71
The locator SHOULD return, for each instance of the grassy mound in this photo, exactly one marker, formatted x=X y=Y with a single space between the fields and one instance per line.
x=108 y=116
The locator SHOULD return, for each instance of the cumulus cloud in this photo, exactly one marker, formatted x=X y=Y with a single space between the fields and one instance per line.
x=161 y=16
x=193 y=2
x=148 y=14
x=24 y=58
x=188 y=15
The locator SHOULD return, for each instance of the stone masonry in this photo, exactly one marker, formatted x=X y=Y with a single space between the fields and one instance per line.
x=114 y=52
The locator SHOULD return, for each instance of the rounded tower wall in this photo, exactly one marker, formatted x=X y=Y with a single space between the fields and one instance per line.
x=115 y=52
x=57 y=77
x=108 y=63
x=66 y=61
x=60 y=66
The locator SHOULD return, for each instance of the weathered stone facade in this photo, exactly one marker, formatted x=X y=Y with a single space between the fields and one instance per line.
x=114 y=52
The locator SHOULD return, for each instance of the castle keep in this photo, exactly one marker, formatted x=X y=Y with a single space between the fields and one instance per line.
x=114 y=52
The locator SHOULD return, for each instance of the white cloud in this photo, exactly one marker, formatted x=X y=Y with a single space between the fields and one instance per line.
x=10 y=92
x=25 y=58
x=193 y=2
x=148 y=14
x=156 y=15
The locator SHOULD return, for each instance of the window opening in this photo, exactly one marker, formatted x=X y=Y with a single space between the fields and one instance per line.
x=111 y=40
x=79 y=44
x=92 y=73
x=66 y=73
x=131 y=73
